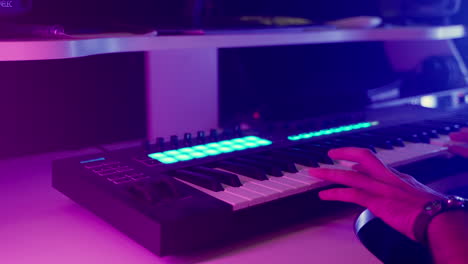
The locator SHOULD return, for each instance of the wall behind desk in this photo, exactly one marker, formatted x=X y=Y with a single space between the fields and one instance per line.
x=62 y=104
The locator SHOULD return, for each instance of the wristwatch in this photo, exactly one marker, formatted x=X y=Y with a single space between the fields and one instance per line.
x=433 y=208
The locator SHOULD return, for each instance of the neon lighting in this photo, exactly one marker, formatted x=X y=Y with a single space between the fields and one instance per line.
x=183 y=157
x=238 y=147
x=92 y=160
x=198 y=155
x=159 y=155
x=429 y=101
x=186 y=150
x=212 y=152
x=331 y=131
x=168 y=160
x=251 y=144
x=200 y=147
x=264 y=142
x=210 y=149
x=226 y=149
x=172 y=153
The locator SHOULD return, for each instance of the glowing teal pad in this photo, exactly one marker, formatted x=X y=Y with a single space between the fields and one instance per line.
x=334 y=130
x=210 y=149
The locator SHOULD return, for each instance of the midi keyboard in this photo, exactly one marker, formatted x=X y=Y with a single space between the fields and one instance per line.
x=176 y=196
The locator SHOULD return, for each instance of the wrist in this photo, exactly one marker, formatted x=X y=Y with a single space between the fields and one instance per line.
x=445 y=220
x=431 y=211
x=447 y=235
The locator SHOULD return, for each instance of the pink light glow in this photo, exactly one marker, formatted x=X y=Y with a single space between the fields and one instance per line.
x=40 y=225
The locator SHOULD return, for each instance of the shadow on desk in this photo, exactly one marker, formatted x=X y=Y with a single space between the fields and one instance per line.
x=306 y=233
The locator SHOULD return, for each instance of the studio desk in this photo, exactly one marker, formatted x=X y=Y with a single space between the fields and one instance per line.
x=40 y=225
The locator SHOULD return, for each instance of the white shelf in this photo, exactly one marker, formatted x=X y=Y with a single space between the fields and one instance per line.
x=20 y=50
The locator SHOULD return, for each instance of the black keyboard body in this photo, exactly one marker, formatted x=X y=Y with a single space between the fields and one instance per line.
x=167 y=216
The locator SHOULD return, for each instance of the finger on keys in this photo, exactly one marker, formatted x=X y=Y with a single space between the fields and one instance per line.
x=461 y=136
x=351 y=179
x=350 y=195
x=367 y=163
x=459 y=150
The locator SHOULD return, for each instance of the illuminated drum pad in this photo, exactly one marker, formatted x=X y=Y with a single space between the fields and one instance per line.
x=210 y=149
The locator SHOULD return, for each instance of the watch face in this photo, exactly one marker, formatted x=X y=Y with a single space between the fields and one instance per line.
x=433 y=207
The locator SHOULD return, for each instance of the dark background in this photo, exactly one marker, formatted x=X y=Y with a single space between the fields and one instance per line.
x=60 y=104
x=52 y=105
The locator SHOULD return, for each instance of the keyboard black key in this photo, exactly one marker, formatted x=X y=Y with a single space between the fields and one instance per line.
x=400 y=133
x=462 y=122
x=199 y=179
x=222 y=176
x=353 y=143
x=285 y=165
x=296 y=156
x=442 y=129
x=395 y=140
x=322 y=148
x=374 y=141
x=270 y=169
x=422 y=130
x=243 y=169
x=316 y=153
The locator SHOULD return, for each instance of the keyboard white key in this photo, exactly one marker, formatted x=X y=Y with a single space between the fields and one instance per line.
x=254 y=197
x=296 y=187
x=312 y=182
x=412 y=152
x=442 y=141
x=281 y=190
x=254 y=192
x=267 y=192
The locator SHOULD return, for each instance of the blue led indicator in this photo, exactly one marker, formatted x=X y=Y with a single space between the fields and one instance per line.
x=92 y=160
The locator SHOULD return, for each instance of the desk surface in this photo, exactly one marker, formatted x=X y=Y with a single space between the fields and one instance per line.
x=40 y=225
x=46 y=49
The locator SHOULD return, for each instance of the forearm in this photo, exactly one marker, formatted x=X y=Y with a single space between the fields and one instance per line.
x=448 y=237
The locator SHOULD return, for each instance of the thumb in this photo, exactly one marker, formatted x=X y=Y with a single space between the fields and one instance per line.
x=459 y=150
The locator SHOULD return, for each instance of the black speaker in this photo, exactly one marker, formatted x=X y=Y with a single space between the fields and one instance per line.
x=419 y=11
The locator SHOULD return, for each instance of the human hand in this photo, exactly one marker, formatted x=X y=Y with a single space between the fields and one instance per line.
x=460 y=138
x=394 y=197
